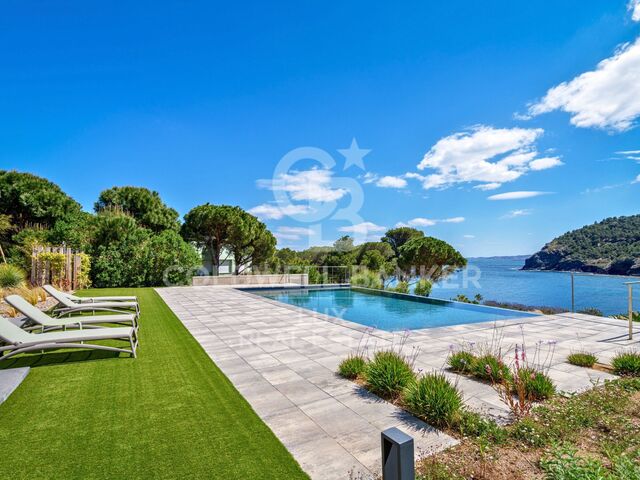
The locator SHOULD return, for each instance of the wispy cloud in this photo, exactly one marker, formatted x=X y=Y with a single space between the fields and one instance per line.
x=634 y=8
x=518 y=213
x=491 y=156
x=391 y=182
x=292 y=233
x=364 y=228
x=629 y=155
x=428 y=222
x=276 y=212
x=516 y=195
x=637 y=180
x=469 y=236
x=607 y=97
x=309 y=185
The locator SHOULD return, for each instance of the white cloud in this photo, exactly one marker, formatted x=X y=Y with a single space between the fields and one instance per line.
x=391 y=182
x=630 y=155
x=428 y=222
x=296 y=230
x=276 y=212
x=545 y=163
x=469 y=236
x=309 y=185
x=637 y=180
x=488 y=186
x=634 y=8
x=369 y=177
x=292 y=233
x=607 y=97
x=518 y=213
x=421 y=222
x=364 y=228
x=482 y=154
x=401 y=224
x=516 y=195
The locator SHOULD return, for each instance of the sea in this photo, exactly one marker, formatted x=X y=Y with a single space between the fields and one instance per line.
x=501 y=279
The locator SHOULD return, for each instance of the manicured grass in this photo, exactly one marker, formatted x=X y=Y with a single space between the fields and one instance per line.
x=170 y=413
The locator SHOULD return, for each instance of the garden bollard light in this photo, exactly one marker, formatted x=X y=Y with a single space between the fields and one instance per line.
x=397 y=455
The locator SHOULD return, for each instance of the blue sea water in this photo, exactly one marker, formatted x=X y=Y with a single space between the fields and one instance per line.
x=387 y=312
x=500 y=278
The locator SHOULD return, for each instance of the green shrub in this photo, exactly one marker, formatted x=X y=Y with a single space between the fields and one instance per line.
x=423 y=287
x=537 y=385
x=462 y=361
x=472 y=424
x=491 y=368
x=367 y=279
x=563 y=463
x=388 y=374
x=352 y=367
x=401 y=287
x=11 y=276
x=582 y=359
x=434 y=398
x=627 y=363
x=530 y=432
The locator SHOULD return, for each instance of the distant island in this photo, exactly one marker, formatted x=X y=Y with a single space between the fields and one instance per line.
x=611 y=246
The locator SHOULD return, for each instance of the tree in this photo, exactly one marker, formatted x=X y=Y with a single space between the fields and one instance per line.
x=144 y=205
x=430 y=258
x=382 y=247
x=397 y=237
x=75 y=230
x=209 y=227
x=119 y=252
x=373 y=260
x=32 y=200
x=344 y=244
x=250 y=241
x=170 y=260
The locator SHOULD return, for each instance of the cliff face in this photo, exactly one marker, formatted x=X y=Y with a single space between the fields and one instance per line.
x=611 y=246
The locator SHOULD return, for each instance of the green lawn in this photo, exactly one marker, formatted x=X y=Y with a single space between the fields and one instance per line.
x=170 y=413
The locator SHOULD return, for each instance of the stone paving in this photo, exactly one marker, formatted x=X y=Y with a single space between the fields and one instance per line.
x=282 y=359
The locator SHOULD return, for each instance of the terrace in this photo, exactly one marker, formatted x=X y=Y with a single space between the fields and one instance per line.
x=229 y=383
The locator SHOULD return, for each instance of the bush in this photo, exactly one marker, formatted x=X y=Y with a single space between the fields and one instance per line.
x=11 y=276
x=423 y=287
x=472 y=424
x=537 y=385
x=170 y=260
x=388 y=374
x=352 y=367
x=491 y=368
x=462 y=361
x=627 y=363
x=367 y=279
x=582 y=359
x=434 y=398
x=401 y=287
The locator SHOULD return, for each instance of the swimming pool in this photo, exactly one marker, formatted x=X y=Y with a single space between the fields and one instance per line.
x=388 y=311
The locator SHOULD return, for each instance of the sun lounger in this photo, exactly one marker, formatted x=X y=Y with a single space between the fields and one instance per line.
x=37 y=318
x=18 y=341
x=76 y=299
x=68 y=306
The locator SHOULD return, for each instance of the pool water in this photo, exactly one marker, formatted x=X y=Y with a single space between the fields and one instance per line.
x=386 y=311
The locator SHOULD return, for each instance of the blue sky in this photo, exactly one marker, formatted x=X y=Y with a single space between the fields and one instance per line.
x=457 y=103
